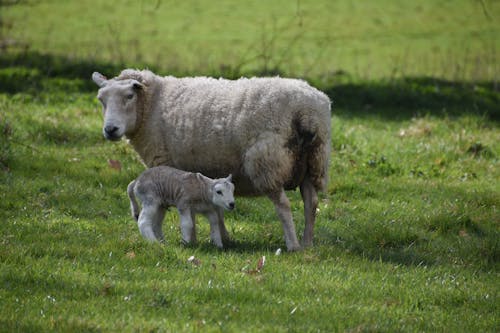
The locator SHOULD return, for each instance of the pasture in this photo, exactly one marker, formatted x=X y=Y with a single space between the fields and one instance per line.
x=407 y=235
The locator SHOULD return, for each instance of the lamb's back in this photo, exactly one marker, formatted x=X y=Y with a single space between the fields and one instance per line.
x=172 y=187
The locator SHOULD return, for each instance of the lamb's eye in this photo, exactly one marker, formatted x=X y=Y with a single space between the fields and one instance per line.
x=130 y=96
x=219 y=192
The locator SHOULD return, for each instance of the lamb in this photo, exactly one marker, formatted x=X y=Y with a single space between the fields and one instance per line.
x=271 y=134
x=192 y=193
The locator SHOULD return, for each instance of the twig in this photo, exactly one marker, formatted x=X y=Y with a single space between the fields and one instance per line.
x=485 y=11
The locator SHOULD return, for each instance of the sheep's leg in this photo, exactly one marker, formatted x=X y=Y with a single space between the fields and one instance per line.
x=187 y=226
x=148 y=219
x=282 y=205
x=310 y=198
x=222 y=227
x=215 y=232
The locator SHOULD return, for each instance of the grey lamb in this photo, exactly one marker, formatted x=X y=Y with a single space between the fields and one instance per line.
x=192 y=193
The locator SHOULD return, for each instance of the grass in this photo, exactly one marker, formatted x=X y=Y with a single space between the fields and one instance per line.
x=407 y=234
x=455 y=40
x=406 y=237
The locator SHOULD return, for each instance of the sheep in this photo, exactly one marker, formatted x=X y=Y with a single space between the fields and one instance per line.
x=160 y=187
x=272 y=134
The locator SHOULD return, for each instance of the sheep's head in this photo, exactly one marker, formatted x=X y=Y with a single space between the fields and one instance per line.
x=223 y=193
x=119 y=99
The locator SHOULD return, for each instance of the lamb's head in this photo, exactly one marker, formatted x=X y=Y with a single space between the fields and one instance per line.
x=119 y=99
x=223 y=193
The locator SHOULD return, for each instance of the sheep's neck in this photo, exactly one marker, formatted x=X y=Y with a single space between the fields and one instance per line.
x=149 y=147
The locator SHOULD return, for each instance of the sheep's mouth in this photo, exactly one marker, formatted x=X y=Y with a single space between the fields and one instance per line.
x=113 y=134
x=112 y=137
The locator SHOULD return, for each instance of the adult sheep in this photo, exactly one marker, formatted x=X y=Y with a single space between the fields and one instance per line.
x=271 y=134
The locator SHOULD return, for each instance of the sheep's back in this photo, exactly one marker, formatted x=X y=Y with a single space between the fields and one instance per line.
x=210 y=123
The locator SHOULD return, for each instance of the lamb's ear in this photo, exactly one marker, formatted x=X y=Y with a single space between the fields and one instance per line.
x=203 y=178
x=229 y=178
x=99 y=79
x=137 y=85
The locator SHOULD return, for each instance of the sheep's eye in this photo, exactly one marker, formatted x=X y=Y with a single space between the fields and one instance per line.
x=219 y=192
x=130 y=96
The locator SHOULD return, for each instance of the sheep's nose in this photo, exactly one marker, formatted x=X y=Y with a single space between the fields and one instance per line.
x=110 y=129
x=231 y=205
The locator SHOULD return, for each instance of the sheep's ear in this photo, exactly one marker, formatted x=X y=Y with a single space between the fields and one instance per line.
x=229 y=178
x=99 y=79
x=137 y=85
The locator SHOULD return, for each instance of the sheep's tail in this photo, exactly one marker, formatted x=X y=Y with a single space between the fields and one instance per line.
x=134 y=207
x=317 y=141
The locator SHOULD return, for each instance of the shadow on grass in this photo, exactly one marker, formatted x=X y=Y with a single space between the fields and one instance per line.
x=25 y=72
x=31 y=73
x=409 y=97
x=442 y=233
x=19 y=326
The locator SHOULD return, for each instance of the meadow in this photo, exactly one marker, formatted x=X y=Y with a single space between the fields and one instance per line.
x=407 y=235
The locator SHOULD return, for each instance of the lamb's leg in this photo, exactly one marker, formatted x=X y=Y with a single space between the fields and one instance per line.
x=187 y=226
x=310 y=198
x=148 y=218
x=215 y=232
x=282 y=205
x=134 y=207
x=158 y=221
x=193 y=231
x=222 y=227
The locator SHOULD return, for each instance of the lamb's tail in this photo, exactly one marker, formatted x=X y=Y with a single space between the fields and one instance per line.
x=134 y=207
x=315 y=131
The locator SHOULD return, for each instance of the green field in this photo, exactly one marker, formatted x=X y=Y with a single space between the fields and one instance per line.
x=364 y=39
x=407 y=236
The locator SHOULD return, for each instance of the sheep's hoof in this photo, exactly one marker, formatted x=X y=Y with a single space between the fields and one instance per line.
x=294 y=248
x=307 y=243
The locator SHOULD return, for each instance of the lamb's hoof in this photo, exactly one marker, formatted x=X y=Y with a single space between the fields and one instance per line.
x=190 y=244
x=220 y=246
x=229 y=244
